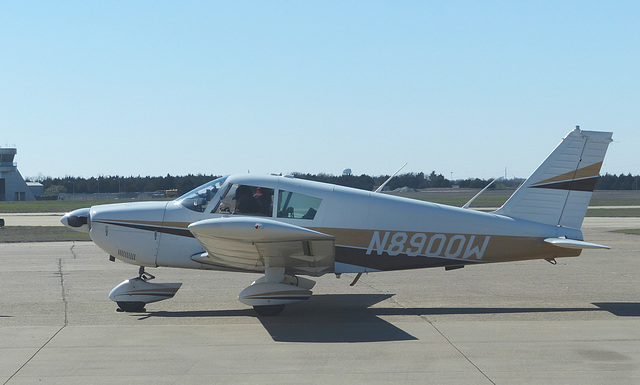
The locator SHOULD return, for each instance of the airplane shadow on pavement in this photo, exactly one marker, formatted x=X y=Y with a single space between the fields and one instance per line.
x=335 y=318
x=348 y=318
x=328 y=318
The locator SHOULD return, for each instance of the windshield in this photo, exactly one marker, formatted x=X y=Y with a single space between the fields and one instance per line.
x=198 y=199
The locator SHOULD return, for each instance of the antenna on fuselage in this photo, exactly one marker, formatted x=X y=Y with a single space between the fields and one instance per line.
x=379 y=189
x=466 y=205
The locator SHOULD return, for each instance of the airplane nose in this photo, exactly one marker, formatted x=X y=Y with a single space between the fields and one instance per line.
x=78 y=220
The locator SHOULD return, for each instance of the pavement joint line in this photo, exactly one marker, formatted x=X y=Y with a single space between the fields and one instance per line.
x=66 y=321
x=34 y=355
x=424 y=317
x=454 y=346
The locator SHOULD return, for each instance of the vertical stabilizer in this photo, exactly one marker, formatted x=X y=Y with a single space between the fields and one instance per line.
x=559 y=191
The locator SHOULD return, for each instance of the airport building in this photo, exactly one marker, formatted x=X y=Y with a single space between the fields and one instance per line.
x=12 y=185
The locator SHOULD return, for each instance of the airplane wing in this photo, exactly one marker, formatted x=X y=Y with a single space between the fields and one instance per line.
x=244 y=243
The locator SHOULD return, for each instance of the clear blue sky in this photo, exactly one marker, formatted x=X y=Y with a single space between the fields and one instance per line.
x=465 y=88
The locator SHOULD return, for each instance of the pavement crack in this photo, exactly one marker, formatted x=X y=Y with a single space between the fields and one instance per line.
x=73 y=245
x=63 y=292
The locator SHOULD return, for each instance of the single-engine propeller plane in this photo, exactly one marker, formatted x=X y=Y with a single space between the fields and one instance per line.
x=287 y=228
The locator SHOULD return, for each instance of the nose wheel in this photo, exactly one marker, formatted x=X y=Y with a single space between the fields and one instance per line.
x=131 y=307
x=135 y=306
x=134 y=294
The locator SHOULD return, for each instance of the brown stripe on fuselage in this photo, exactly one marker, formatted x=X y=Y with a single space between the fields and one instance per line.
x=378 y=251
x=179 y=229
x=394 y=250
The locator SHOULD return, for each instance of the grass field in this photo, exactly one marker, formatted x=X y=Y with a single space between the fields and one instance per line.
x=628 y=231
x=613 y=212
x=495 y=198
x=40 y=234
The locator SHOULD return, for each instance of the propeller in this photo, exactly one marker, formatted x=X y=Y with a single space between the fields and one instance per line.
x=79 y=220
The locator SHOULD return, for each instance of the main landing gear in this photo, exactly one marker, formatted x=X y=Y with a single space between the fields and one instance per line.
x=133 y=294
x=269 y=294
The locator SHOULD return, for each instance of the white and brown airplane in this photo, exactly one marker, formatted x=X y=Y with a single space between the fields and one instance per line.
x=287 y=228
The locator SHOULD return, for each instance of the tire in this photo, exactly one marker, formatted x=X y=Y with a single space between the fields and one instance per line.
x=269 y=310
x=131 y=307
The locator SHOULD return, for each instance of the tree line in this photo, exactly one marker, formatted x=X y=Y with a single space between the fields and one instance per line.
x=617 y=182
x=120 y=184
x=183 y=184
x=412 y=180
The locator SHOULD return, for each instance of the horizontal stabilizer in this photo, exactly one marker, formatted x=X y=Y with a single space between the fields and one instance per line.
x=574 y=244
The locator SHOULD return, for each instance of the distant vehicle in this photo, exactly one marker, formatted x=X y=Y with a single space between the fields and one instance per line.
x=172 y=193
x=287 y=228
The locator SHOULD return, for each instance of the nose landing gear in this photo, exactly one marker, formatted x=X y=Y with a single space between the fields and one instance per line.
x=133 y=294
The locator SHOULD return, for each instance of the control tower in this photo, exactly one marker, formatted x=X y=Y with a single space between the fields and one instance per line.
x=12 y=185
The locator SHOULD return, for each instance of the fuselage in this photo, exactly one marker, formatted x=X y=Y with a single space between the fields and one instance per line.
x=373 y=231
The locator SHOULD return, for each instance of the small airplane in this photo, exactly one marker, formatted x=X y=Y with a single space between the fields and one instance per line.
x=287 y=228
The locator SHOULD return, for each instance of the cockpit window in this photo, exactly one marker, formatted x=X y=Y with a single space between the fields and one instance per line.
x=198 y=199
x=246 y=200
x=297 y=206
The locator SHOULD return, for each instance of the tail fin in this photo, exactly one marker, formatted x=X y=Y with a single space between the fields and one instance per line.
x=559 y=191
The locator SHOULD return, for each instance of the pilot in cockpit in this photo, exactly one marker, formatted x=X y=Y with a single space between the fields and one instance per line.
x=264 y=196
x=245 y=202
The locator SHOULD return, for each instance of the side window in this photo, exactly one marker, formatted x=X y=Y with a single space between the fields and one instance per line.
x=246 y=200
x=298 y=206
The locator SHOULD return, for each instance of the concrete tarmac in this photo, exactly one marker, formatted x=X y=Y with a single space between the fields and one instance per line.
x=32 y=219
x=577 y=322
